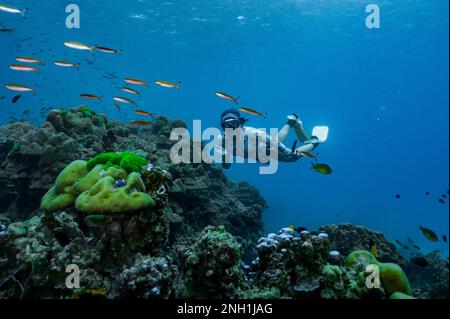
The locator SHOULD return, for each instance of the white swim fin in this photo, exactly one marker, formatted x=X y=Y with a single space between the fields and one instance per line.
x=321 y=132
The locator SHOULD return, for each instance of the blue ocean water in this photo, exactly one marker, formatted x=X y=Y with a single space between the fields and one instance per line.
x=382 y=92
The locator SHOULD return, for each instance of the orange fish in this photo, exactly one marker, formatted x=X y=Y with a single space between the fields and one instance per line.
x=23 y=68
x=141 y=123
x=227 y=97
x=168 y=84
x=90 y=97
x=135 y=81
x=143 y=113
x=307 y=154
x=123 y=100
x=25 y=59
x=130 y=90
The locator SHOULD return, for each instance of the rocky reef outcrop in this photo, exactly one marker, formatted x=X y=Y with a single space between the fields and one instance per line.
x=361 y=237
x=430 y=281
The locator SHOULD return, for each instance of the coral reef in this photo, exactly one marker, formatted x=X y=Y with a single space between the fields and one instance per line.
x=82 y=190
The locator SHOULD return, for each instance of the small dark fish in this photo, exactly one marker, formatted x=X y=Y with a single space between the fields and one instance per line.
x=322 y=168
x=420 y=261
x=16 y=98
x=398 y=196
x=440 y=200
x=300 y=229
x=409 y=240
x=401 y=244
x=416 y=247
x=429 y=234
x=120 y=183
x=444 y=238
x=2 y=97
x=444 y=196
x=427 y=193
x=6 y=30
x=106 y=50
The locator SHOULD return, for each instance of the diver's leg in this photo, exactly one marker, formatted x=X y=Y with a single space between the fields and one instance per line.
x=300 y=131
x=292 y=122
x=283 y=133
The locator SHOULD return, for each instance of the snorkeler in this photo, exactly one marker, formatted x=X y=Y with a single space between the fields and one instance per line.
x=231 y=121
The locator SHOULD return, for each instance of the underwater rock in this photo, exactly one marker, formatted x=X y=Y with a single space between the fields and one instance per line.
x=347 y=238
x=212 y=265
x=31 y=170
x=432 y=281
x=147 y=278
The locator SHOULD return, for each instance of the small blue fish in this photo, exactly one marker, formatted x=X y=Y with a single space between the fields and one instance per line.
x=120 y=183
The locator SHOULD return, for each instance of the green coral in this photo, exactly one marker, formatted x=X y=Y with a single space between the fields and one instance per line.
x=94 y=175
x=62 y=195
x=103 y=197
x=361 y=257
x=400 y=295
x=92 y=189
x=125 y=160
x=392 y=277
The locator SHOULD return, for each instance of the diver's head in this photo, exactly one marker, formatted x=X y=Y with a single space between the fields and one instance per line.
x=231 y=119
